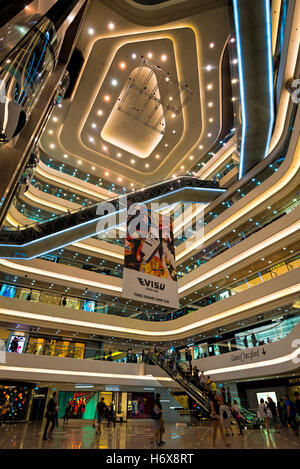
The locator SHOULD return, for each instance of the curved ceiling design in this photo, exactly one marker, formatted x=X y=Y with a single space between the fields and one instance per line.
x=147 y=103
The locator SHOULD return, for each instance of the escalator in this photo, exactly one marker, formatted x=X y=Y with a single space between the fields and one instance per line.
x=71 y=227
x=248 y=418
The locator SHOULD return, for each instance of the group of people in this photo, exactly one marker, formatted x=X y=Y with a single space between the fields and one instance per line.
x=285 y=414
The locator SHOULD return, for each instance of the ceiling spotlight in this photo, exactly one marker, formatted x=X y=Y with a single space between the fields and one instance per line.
x=209 y=87
x=173 y=115
x=94 y=125
x=166 y=145
x=120 y=179
x=65 y=155
x=210 y=119
x=200 y=147
x=100 y=112
x=232 y=39
x=170 y=98
x=104 y=147
x=91 y=31
x=147 y=165
x=106 y=173
x=191 y=157
x=93 y=168
x=208 y=68
x=91 y=139
x=52 y=145
x=235 y=61
x=209 y=134
x=235 y=80
x=106 y=98
x=173 y=131
x=111 y=26
x=79 y=161
x=122 y=65
x=210 y=104
x=133 y=56
x=211 y=45
x=157 y=156
x=54 y=119
x=50 y=132
x=119 y=155
x=114 y=82
x=233 y=99
x=149 y=55
x=132 y=161
x=181 y=167
x=163 y=57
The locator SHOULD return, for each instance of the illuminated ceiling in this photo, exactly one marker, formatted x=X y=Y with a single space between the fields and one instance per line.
x=147 y=103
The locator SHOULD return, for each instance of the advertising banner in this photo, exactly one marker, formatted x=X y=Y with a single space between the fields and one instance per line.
x=150 y=269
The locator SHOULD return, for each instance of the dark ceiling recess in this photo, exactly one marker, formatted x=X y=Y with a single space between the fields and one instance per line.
x=74 y=67
x=9 y=9
x=150 y=2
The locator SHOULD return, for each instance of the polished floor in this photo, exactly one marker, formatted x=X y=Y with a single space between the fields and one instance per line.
x=137 y=435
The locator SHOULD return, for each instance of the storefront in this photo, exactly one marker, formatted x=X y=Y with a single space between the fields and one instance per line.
x=139 y=405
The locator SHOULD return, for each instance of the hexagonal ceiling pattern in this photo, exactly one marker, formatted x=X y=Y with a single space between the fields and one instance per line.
x=147 y=103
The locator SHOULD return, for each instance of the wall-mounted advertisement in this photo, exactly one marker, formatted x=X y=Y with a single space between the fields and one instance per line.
x=16 y=343
x=150 y=269
x=88 y=305
x=8 y=290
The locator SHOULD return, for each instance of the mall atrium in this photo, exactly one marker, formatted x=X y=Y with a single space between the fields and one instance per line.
x=187 y=106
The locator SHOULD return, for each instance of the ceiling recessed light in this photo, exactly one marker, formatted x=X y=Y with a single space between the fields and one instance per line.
x=210 y=119
x=173 y=131
x=54 y=119
x=211 y=45
x=166 y=145
x=167 y=79
x=94 y=125
x=209 y=86
x=120 y=179
x=173 y=115
x=91 y=139
x=181 y=167
x=163 y=57
x=93 y=168
x=232 y=39
x=200 y=147
x=191 y=157
x=209 y=134
x=65 y=155
x=100 y=112
x=132 y=161
x=133 y=56
x=111 y=26
x=149 y=55
x=147 y=165
x=114 y=82
x=79 y=161
x=104 y=147
x=234 y=61
x=106 y=98
x=234 y=80
x=52 y=145
x=50 y=132
x=210 y=104
x=91 y=31
x=119 y=155
x=122 y=65
x=106 y=173
x=208 y=68
x=157 y=156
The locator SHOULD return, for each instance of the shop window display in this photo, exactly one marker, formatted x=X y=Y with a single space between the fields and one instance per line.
x=139 y=405
x=14 y=399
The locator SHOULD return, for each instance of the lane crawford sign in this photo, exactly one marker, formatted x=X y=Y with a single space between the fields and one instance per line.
x=246 y=356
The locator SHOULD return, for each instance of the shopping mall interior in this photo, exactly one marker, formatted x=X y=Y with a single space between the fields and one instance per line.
x=184 y=115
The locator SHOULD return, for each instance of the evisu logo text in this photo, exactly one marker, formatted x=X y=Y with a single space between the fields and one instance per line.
x=150 y=283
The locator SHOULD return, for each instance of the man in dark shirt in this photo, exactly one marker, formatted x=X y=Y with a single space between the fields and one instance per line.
x=50 y=414
x=101 y=407
x=291 y=414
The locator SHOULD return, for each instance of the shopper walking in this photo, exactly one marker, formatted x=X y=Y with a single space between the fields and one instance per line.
x=228 y=396
x=111 y=416
x=68 y=411
x=225 y=417
x=100 y=410
x=50 y=415
x=262 y=413
x=215 y=404
x=237 y=416
x=158 y=422
x=271 y=406
x=291 y=414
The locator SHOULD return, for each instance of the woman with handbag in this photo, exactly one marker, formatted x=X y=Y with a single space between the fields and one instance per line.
x=215 y=404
